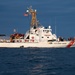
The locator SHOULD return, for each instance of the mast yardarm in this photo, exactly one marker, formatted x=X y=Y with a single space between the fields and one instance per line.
x=32 y=12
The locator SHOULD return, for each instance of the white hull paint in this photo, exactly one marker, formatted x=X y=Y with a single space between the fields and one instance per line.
x=38 y=45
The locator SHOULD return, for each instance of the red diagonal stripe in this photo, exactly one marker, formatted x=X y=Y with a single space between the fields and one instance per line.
x=70 y=44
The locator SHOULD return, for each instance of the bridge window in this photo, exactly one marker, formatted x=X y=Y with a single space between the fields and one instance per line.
x=46 y=31
x=47 y=37
x=42 y=37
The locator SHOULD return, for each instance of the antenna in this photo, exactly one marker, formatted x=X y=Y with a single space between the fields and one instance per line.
x=32 y=12
x=14 y=31
x=55 y=26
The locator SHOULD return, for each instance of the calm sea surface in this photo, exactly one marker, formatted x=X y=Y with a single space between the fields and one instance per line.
x=37 y=61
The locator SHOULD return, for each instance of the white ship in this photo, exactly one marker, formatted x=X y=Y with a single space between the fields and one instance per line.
x=37 y=36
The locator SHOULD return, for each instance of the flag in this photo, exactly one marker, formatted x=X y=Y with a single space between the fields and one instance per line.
x=25 y=14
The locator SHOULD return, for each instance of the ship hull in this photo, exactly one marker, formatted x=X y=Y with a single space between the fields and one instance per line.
x=38 y=45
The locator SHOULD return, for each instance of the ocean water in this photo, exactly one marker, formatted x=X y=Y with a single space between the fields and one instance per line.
x=37 y=61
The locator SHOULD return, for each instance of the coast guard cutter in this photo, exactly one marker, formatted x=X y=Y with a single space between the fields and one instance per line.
x=37 y=36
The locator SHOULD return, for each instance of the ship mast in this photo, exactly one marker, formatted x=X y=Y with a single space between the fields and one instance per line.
x=34 y=22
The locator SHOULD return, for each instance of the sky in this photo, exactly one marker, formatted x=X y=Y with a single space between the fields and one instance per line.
x=57 y=13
